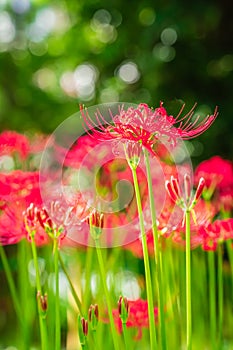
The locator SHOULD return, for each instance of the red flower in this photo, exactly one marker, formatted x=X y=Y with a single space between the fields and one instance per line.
x=224 y=199
x=12 y=228
x=19 y=184
x=137 y=317
x=218 y=172
x=19 y=189
x=216 y=232
x=12 y=142
x=147 y=126
x=204 y=213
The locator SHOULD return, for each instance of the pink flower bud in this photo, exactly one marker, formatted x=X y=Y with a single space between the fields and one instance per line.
x=200 y=188
x=175 y=186
x=170 y=191
x=187 y=186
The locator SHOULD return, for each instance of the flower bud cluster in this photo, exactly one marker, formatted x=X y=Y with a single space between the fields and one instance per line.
x=96 y=222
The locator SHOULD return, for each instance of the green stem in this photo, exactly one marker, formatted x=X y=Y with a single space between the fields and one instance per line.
x=42 y=319
x=157 y=254
x=24 y=292
x=11 y=284
x=188 y=282
x=103 y=277
x=153 y=339
x=57 y=296
x=125 y=334
x=73 y=291
x=96 y=345
x=230 y=256
x=88 y=268
x=212 y=298
x=220 y=295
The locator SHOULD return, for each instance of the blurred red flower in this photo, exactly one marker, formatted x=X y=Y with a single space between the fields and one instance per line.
x=138 y=316
x=12 y=142
x=217 y=172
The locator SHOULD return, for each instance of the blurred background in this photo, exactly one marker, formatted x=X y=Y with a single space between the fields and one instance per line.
x=57 y=54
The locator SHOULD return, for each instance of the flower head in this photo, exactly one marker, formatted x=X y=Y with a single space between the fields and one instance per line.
x=147 y=126
x=137 y=316
x=218 y=172
x=186 y=202
x=12 y=142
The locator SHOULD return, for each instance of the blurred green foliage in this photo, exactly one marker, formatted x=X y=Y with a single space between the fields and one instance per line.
x=57 y=54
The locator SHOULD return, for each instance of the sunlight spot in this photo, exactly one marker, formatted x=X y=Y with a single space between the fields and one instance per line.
x=7 y=28
x=20 y=6
x=168 y=36
x=45 y=79
x=128 y=72
x=147 y=16
x=164 y=53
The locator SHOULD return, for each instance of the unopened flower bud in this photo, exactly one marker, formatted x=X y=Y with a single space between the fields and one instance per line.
x=200 y=189
x=96 y=222
x=133 y=152
x=42 y=301
x=170 y=191
x=175 y=186
x=82 y=329
x=187 y=187
x=123 y=309
x=93 y=316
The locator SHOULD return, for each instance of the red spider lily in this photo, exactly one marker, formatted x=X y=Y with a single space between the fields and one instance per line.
x=224 y=199
x=19 y=184
x=147 y=126
x=204 y=214
x=137 y=316
x=12 y=226
x=63 y=215
x=216 y=232
x=186 y=201
x=218 y=172
x=18 y=191
x=12 y=142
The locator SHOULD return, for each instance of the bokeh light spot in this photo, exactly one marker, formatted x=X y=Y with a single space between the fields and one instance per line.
x=147 y=16
x=164 y=53
x=128 y=72
x=7 y=28
x=168 y=36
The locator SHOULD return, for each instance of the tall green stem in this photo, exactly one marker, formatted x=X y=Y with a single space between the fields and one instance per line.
x=106 y=293
x=11 y=284
x=42 y=319
x=22 y=250
x=220 y=295
x=230 y=256
x=88 y=269
x=212 y=298
x=157 y=254
x=125 y=334
x=153 y=339
x=95 y=339
x=57 y=296
x=188 y=283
